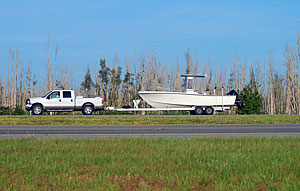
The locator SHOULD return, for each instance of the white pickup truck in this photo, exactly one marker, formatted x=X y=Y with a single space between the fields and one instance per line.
x=63 y=100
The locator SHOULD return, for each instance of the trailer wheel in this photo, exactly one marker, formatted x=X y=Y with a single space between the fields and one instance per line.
x=209 y=110
x=87 y=110
x=198 y=111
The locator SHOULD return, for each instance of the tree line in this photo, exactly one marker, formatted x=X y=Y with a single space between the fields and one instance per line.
x=119 y=83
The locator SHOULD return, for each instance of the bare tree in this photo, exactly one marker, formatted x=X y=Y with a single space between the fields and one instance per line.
x=137 y=83
x=1 y=93
x=28 y=92
x=127 y=85
x=270 y=87
x=178 y=86
x=142 y=71
x=97 y=82
x=289 y=80
x=4 y=101
x=55 y=67
x=244 y=76
x=196 y=71
x=263 y=85
x=172 y=80
x=16 y=78
x=48 y=82
x=20 y=90
x=297 y=76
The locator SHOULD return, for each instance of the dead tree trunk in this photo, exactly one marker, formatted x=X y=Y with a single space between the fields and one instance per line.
x=55 y=67
x=49 y=84
x=11 y=91
x=297 y=77
x=270 y=91
x=4 y=91
x=289 y=80
x=178 y=86
x=16 y=78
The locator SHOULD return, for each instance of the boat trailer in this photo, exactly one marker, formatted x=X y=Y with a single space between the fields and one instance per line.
x=137 y=108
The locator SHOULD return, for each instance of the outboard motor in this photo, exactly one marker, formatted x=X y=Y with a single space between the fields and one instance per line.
x=238 y=102
x=233 y=92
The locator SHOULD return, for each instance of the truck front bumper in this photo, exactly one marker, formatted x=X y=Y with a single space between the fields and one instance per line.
x=28 y=107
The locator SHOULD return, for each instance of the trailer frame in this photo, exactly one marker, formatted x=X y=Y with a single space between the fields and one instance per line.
x=136 y=108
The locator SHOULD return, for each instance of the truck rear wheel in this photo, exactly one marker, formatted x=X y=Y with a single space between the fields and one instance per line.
x=37 y=109
x=87 y=110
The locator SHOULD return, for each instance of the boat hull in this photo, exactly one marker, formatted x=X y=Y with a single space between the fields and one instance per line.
x=158 y=99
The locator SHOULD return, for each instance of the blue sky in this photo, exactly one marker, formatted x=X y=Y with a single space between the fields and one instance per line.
x=89 y=30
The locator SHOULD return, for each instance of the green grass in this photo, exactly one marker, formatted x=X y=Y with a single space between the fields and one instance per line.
x=146 y=120
x=150 y=164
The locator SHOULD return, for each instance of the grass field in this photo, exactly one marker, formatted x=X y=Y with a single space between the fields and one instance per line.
x=146 y=120
x=150 y=164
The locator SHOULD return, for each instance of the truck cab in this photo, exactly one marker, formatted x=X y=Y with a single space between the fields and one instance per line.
x=60 y=100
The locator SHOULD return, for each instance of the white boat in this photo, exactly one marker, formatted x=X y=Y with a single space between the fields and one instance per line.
x=203 y=103
x=160 y=99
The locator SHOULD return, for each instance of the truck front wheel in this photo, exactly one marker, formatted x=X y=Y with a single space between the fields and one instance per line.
x=37 y=109
x=87 y=110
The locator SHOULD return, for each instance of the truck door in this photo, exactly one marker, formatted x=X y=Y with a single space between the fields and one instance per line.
x=53 y=101
x=67 y=100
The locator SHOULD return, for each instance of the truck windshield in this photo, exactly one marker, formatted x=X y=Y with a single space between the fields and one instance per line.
x=46 y=94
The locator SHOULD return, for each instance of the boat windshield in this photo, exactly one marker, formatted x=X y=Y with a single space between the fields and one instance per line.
x=46 y=94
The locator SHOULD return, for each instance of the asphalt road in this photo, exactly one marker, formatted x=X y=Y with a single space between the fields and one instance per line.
x=76 y=131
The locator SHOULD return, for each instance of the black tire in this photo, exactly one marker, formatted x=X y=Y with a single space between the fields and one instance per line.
x=198 y=111
x=37 y=109
x=87 y=109
x=209 y=110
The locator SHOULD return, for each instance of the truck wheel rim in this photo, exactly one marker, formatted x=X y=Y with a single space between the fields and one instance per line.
x=88 y=110
x=37 y=110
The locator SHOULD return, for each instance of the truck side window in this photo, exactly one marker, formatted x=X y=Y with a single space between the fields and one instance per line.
x=55 y=95
x=67 y=94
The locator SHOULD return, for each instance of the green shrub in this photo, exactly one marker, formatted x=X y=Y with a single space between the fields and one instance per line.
x=18 y=110
x=252 y=100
